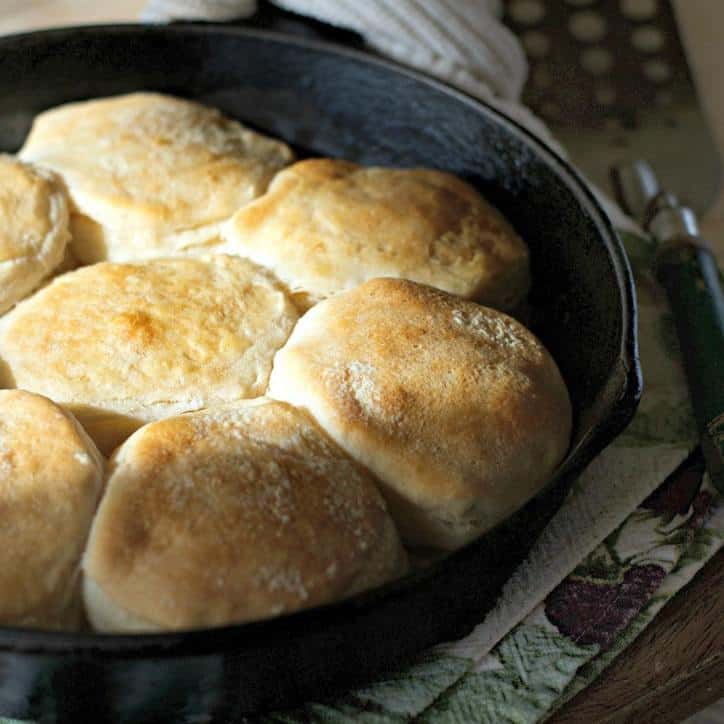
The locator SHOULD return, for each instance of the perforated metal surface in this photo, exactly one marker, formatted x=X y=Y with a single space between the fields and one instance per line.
x=611 y=79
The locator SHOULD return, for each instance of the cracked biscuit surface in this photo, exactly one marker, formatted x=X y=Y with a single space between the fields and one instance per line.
x=123 y=344
x=150 y=174
x=233 y=514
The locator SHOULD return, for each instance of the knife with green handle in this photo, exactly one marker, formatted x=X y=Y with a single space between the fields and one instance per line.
x=688 y=271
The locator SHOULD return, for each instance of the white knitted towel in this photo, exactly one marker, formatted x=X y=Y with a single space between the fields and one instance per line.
x=461 y=42
x=167 y=10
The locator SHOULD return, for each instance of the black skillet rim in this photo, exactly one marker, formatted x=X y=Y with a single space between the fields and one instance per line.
x=626 y=378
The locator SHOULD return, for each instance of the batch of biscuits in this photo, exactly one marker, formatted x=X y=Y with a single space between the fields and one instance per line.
x=234 y=385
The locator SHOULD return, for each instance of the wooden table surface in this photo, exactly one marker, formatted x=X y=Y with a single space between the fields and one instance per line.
x=676 y=667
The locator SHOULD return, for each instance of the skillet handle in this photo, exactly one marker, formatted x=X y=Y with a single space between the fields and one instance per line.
x=688 y=271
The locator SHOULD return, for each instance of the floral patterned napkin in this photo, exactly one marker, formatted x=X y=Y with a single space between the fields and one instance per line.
x=641 y=521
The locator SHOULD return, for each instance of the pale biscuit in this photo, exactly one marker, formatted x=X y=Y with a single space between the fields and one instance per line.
x=123 y=344
x=33 y=228
x=457 y=408
x=233 y=514
x=149 y=174
x=51 y=478
x=327 y=225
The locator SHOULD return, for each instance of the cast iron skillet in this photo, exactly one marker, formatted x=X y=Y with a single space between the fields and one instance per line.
x=327 y=100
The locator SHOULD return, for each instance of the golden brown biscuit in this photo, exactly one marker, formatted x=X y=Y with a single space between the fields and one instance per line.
x=51 y=478
x=33 y=228
x=149 y=174
x=457 y=408
x=233 y=514
x=124 y=344
x=328 y=225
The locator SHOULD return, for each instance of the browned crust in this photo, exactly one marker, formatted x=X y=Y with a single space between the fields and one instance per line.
x=238 y=513
x=51 y=478
x=124 y=344
x=327 y=225
x=457 y=408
